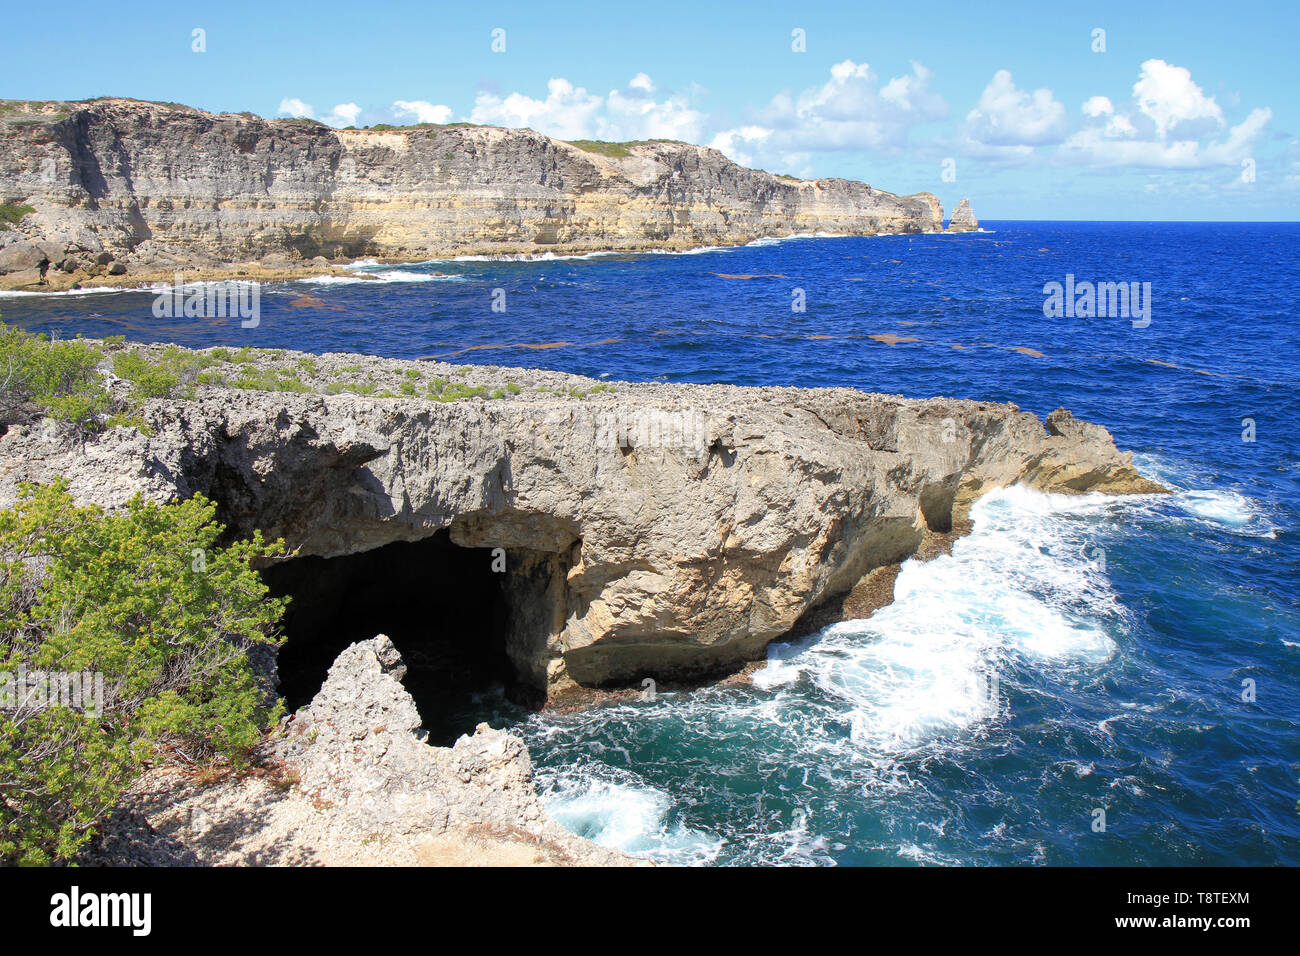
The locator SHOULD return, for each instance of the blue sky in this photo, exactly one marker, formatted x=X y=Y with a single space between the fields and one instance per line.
x=1191 y=111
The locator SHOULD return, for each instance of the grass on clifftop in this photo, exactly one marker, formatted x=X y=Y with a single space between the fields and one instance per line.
x=615 y=150
x=91 y=386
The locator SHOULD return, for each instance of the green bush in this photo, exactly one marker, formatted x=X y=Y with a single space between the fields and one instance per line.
x=146 y=598
x=268 y=380
x=151 y=379
x=60 y=376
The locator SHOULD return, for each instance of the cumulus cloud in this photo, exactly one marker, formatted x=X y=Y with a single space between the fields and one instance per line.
x=1098 y=106
x=345 y=114
x=1006 y=116
x=422 y=111
x=741 y=144
x=852 y=110
x=570 y=112
x=1167 y=95
x=1170 y=124
x=295 y=107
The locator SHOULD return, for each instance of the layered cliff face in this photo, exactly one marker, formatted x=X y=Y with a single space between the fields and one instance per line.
x=646 y=531
x=126 y=185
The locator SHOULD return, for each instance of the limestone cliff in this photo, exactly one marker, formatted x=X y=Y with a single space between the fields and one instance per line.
x=651 y=530
x=122 y=186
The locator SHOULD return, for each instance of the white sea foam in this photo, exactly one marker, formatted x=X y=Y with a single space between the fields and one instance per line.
x=859 y=709
x=1219 y=507
x=388 y=275
x=617 y=810
x=1022 y=585
x=92 y=290
x=1216 y=509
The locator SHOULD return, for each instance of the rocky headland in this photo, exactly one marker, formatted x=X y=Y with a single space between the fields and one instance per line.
x=645 y=530
x=119 y=191
x=569 y=537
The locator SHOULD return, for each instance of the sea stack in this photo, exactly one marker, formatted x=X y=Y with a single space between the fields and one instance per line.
x=963 y=220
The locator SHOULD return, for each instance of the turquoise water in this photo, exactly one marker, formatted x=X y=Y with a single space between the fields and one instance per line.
x=1071 y=655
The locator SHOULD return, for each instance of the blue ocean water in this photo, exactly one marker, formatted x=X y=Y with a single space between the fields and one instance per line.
x=1136 y=656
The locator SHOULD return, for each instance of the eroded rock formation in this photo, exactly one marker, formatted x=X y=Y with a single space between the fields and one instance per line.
x=352 y=782
x=127 y=186
x=963 y=220
x=651 y=531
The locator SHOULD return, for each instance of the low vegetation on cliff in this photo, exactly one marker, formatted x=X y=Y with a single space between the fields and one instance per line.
x=87 y=386
x=10 y=213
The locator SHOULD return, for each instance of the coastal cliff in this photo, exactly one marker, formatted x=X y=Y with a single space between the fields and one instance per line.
x=644 y=531
x=117 y=189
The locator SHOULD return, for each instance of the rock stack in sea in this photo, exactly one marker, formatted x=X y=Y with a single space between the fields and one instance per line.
x=963 y=220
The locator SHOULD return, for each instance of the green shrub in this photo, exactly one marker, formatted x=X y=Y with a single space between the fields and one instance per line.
x=268 y=380
x=147 y=599
x=150 y=379
x=355 y=388
x=60 y=376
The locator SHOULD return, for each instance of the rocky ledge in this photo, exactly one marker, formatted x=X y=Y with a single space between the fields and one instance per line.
x=119 y=190
x=642 y=531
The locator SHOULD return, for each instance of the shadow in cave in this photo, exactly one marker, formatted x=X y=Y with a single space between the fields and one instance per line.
x=442 y=606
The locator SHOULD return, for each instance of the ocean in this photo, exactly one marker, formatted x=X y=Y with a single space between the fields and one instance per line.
x=1084 y=680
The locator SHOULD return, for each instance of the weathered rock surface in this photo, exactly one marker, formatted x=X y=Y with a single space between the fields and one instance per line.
x=653 y=530
x=357 y=785
x=358 y=747
x=963 y=220
x=160 y=186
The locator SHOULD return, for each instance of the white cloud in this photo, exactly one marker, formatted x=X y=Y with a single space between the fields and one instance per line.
x=568 y=112
x=1167 y=95
x=422 y=111
x=850 y=111
x=345 y=114
x=1170 y=124
x=1098 y=106
x=634 y=113
x=1008 y=116
x=296 y=108
x=741 y=144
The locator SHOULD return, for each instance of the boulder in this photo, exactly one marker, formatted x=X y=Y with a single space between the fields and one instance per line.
x=22 y=257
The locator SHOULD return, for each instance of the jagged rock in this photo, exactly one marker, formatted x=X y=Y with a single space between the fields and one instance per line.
x=659 y=530
x=963 y=220
x=357 y=749
x=130 y=172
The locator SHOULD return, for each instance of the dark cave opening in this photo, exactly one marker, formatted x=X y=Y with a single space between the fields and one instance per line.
x=443 y=607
